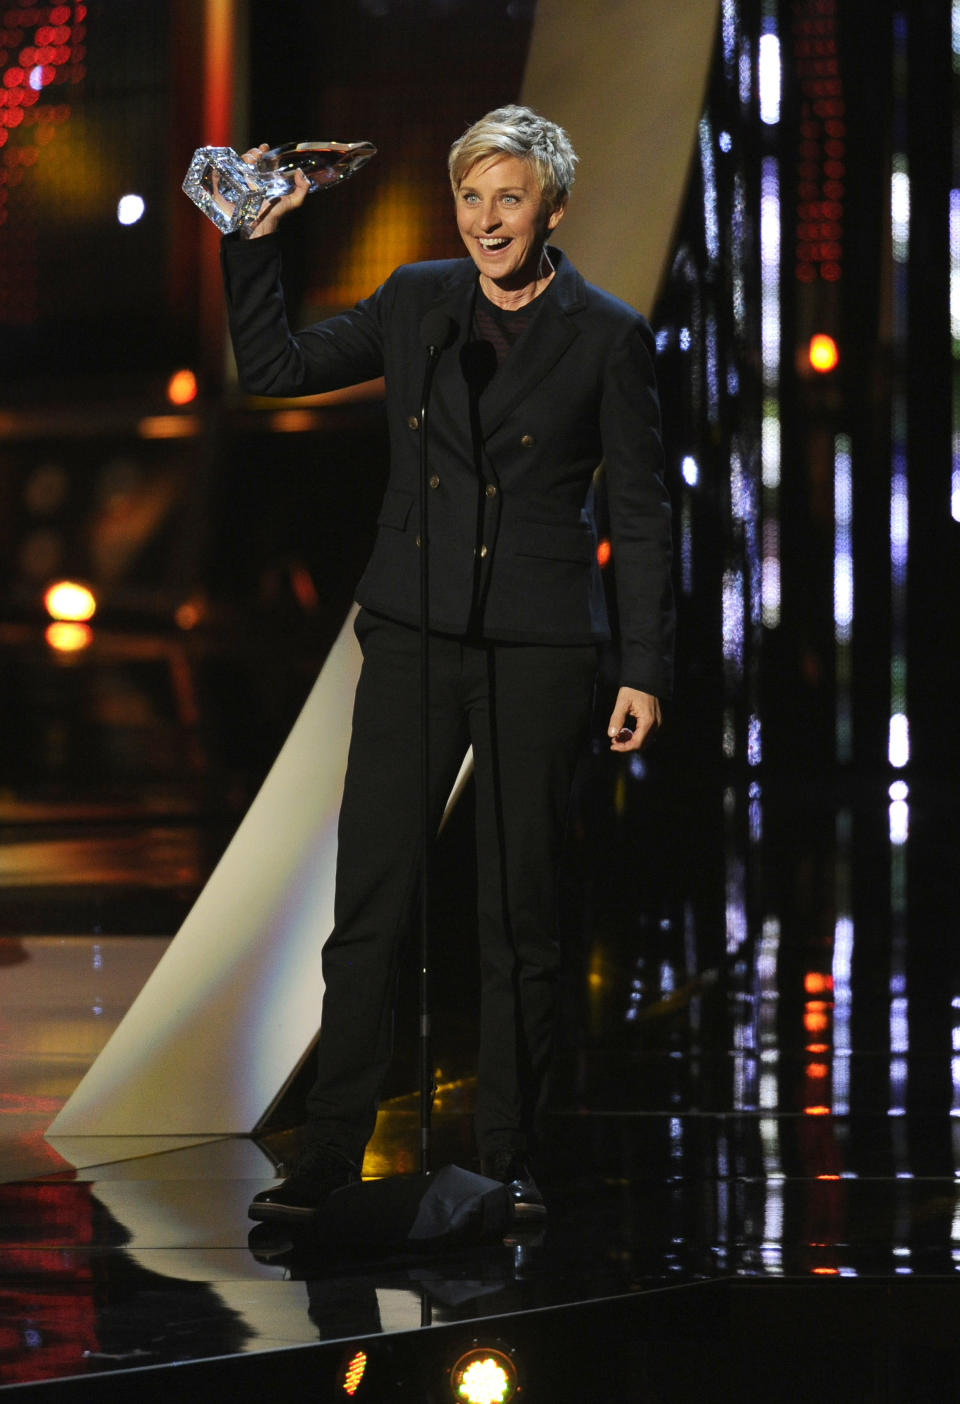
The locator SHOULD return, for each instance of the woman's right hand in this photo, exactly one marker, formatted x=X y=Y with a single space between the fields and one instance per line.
x=272 y=211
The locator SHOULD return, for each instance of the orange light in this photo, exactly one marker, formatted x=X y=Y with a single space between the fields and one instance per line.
x=815 y=982
x=169 y=426
x=818 y=1048
x=295 y=421
x=354 y=1373
x=68 y=600
x=182 y=387
x=189 y=614
x=814 y=1021
x=604 y=552
x=823 y=353
x=816 y=1111
x=828 y=1177
x=826 y=1272
x=67 y=637
x=818 y=1070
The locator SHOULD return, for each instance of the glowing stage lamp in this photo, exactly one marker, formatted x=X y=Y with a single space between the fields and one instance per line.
x=353 y=1373
x=604 y=552
x=69 y=601
x=823 y=353
x=182 y=387
x=484 y=1374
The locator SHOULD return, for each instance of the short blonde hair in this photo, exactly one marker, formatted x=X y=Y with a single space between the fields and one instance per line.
x=518 y=131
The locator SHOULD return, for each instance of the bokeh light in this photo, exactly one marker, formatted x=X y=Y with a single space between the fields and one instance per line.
x=67 y=637
x=69 y=600
x=823 y=353
x=130 y=209
x=182 y=387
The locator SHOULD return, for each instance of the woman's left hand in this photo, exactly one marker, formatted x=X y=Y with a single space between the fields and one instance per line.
x=640 y=708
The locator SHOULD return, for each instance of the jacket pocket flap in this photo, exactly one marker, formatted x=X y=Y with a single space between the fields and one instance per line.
x=395 y=509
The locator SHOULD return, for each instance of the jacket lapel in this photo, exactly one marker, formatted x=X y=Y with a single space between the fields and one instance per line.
x=539 y=349
x=529 y=361
x=456 y=300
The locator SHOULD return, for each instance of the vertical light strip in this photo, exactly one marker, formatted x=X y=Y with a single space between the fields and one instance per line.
x=899 y=816
x=898 y=745
x=220 y=32
x=955 y=273
x=769 y=83
x=219 y=57
x=843 y=593
x=711 y=227
x=955 y=321
x=955 y=1079
x=768 y=956
x=842 y=966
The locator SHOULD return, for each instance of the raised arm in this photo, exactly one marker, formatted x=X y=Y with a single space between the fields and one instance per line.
x=272 y=360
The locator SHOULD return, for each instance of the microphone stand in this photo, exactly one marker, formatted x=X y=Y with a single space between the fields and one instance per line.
x=427 y=1084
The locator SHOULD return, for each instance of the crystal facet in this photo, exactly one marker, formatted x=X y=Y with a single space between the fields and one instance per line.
x=230 y=191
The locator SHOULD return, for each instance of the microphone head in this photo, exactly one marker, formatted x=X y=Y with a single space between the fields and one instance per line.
x=437 y=330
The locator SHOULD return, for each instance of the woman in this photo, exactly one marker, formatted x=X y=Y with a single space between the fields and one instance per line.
x=544 y=376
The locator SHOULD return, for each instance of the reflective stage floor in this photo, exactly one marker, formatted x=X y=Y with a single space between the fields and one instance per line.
x=752 y=1162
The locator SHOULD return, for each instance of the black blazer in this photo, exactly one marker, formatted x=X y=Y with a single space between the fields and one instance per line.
x=512 y=538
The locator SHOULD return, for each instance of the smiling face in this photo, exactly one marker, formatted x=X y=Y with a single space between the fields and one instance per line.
x=504 y=221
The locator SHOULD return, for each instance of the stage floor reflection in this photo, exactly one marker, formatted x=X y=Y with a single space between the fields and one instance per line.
x=757 y=1088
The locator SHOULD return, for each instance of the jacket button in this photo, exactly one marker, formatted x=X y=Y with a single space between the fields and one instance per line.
x=491 y=490
x=418 y=543
x=483 y=552
x=434 y=481
x=413 y=422
x=528 y=441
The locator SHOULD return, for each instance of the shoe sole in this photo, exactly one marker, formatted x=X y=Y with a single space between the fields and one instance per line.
x=281 y=1213
x=529 y=1213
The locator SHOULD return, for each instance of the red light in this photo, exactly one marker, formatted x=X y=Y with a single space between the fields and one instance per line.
x=816 y=1111
x=823 y=359
x=815 y=982
x=604 y=552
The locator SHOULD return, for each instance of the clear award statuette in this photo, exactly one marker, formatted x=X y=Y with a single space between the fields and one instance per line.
x=230 y=191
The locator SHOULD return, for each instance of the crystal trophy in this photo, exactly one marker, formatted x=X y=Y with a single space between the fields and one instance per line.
x=230 y=191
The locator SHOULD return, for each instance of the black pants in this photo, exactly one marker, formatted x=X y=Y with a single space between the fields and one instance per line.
x=526 y=709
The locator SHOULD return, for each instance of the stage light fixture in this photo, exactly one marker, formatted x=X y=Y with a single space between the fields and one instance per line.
x=823 y=353
x=353 y=1373
x=485 y=1374
x=68 y=600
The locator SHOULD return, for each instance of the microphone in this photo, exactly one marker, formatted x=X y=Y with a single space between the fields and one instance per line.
x=438 y=330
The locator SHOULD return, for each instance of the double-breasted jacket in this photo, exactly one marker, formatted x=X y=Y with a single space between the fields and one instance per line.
x=512 y=452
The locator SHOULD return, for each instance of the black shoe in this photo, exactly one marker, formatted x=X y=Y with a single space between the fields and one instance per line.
x=510 y=1168
x=315 y=1174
